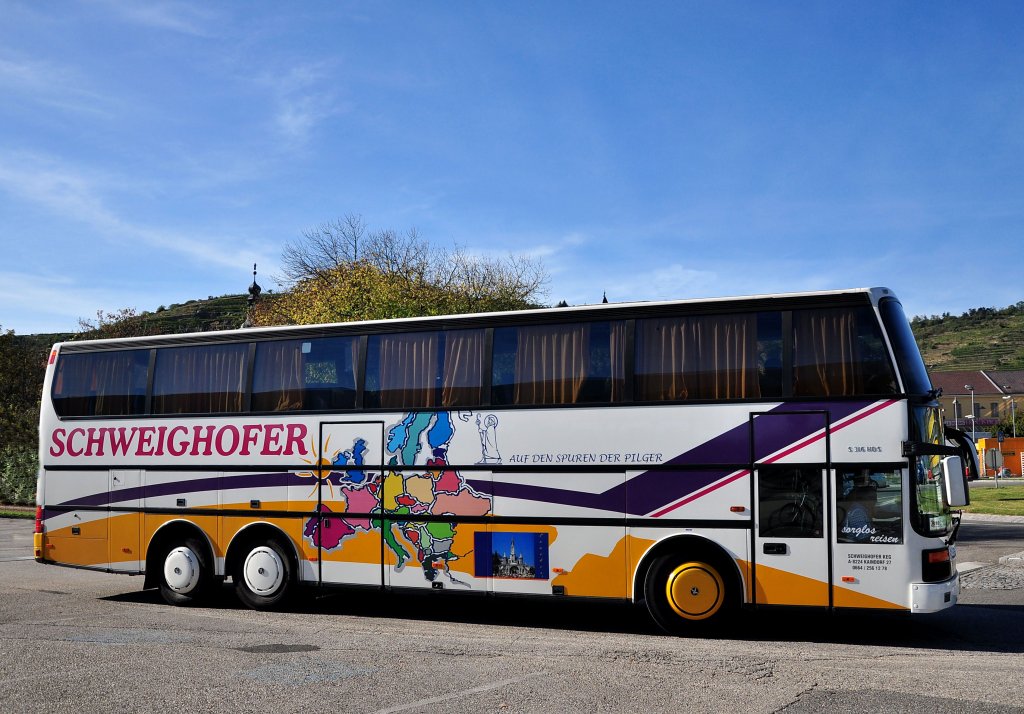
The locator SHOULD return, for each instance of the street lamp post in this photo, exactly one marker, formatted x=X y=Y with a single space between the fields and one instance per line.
x=1013 y=412
x=970 y=388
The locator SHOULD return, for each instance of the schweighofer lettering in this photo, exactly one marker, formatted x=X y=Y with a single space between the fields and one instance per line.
x=179 y=440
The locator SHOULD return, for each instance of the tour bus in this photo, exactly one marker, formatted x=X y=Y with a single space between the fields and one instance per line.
x=698 y=456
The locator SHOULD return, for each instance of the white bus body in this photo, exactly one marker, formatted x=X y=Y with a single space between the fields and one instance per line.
x=693 y=505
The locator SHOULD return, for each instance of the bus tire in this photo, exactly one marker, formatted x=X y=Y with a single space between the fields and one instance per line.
x=263 y=575
x=184 y=572
x=689 y=594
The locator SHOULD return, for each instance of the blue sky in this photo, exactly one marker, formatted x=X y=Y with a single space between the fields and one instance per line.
x=150 y=153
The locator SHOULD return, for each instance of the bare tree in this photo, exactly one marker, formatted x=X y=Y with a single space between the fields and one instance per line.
x=341 y=270
x=346 y=241
x=409 y=254
x=321 y=249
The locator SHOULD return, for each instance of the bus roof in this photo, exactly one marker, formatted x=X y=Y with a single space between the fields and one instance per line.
x=467 y=320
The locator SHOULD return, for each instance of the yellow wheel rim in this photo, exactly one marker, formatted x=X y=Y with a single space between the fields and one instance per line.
x=695 y=591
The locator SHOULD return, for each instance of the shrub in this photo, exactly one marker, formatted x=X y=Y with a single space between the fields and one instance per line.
x=18 y=467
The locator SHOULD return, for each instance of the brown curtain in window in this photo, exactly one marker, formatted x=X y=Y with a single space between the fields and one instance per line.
x=199 y=380
x=825 y=353
x=462 y=382
x=551 y=364
x=704 y=357
x=96 y=383
x=617 y=356
x=75 y=384
x=408 y=370
x=113 y=382
x=278 y=382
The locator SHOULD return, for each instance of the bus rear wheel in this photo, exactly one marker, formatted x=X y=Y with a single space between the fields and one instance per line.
x=185 y=572
x=263 y=575
x=688 y=595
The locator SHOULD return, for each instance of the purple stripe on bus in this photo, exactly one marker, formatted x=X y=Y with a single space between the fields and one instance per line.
x=171 y=488
x=651 y=490
x=622 y=498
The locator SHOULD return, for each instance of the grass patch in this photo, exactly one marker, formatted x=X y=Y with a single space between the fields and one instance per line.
x=12 y=513
x=1004 y=501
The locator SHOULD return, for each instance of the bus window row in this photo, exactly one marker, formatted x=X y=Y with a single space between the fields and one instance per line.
x=826 y=352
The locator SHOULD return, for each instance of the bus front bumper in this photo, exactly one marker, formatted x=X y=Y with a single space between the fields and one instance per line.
x=932 y=597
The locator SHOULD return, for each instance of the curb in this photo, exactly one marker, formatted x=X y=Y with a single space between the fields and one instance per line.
x=1013 y=559
x=991 y=518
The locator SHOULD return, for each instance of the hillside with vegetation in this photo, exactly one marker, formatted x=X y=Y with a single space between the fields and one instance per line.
x=226 y=312
x=981 y=338
x=23 y=364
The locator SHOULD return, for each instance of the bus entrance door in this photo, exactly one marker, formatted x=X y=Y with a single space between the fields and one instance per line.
x=123 y=524
x=350 y=474
x=791 y=547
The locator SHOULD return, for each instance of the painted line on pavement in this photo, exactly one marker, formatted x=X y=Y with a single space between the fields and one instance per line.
x=459 y=695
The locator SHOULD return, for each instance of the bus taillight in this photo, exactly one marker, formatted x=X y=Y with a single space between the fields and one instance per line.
x=936 y=565
x=38 y=536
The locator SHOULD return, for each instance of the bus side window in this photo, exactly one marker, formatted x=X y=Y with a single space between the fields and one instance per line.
x=769 y=354
x=606 y=373
x=462 y=369
x=329 y=380
x=101 y=383
x=205 y=379
x=402 y=370
x=869 y=505
x=789 y=502
x=574 y=363
x=503 y=365
x=304 y=375
x=839 y=352
x=693 y=357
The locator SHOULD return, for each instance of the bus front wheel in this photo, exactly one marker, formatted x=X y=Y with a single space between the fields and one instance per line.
x=263 y=575
x=185 y=574
x=687 y=595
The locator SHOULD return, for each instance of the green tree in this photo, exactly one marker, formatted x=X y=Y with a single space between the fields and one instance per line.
x=126 y=322
x=22 y=368
x=1007 y=423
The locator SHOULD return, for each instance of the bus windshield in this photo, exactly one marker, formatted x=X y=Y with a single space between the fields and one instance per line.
x=908 y=356
x=931 y=516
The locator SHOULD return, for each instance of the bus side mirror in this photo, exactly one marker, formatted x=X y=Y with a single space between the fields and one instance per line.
x=957 y=494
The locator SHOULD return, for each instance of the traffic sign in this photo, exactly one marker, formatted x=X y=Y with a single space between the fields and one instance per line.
x=993 y=458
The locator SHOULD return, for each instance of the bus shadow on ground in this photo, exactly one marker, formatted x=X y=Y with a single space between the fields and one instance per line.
x=966 y=628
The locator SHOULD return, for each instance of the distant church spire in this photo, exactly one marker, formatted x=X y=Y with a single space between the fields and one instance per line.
x=254 y=296
x=254 y=289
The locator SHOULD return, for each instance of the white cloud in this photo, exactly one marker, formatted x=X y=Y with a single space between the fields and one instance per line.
x=671 y=282
x=69 y=193
x=180 y=17
x=589 y=281
x=51 y=85
x=303 y=97
x=54 y=303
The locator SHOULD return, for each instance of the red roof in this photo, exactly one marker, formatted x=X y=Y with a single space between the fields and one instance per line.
x=984 y=381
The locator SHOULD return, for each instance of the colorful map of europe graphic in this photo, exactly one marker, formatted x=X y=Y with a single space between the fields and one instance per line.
x=403 y=494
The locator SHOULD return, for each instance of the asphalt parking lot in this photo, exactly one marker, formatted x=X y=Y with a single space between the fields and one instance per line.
x=73 y=640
